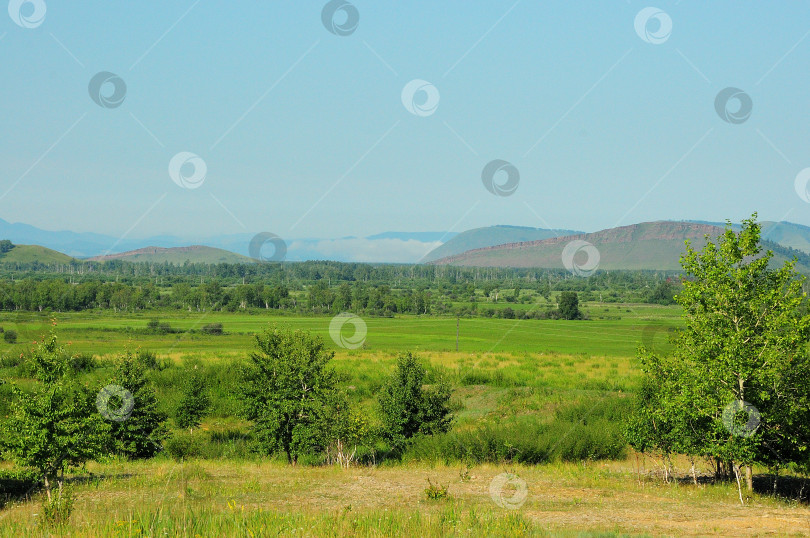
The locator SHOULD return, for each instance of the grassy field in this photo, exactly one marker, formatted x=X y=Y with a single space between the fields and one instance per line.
x=209 y=498
x=101 y=333
x=552 y=373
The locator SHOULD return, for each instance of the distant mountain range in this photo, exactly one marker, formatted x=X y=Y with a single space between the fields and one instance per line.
x=490 y=236
x=394 y=247
x=651 y=245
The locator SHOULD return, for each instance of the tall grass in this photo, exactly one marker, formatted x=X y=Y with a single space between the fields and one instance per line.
x=586 y=431
x=450 y=520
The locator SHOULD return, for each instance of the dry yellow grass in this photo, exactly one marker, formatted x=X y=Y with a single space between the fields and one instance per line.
x=596 y=497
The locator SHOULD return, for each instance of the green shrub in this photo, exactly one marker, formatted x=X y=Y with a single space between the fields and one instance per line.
x=140 y=433
x=83 y=362
x=149 y=360
x=17 y=482
x=212 y=328
x=159 y=327
x=10 y=361
x=408 y=408
x=56 y=511
x=10 y=336
x=183 y=445
x=435 y=493
x=195 y=401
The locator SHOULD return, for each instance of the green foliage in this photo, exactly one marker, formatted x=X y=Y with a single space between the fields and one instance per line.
x=10 y=336
x=568 y=305
x=156 y=326
x=437 y=492
x=291 y=394
x=744 y=344
x=212 y=328
x=195 y=401
x=149 y=360
x=663 y=293
x=586 y=431
x=409 y=408
x=56 y=509
x=184 y=445
x=83 y=362
x=55 y=424
x=17 y=482
x=5 y=246
x=142 y=433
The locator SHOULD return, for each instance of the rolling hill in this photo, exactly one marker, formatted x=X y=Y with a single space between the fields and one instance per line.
x=177 y=255
x=649 y=245
x=33 y=254
x=491 y=236
x=787 y=234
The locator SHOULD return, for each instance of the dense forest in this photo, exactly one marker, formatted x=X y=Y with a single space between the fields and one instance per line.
x=312 y=287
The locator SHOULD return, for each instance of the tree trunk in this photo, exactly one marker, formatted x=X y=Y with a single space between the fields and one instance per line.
x=47 y=487
x=739 y=487
x=749 y=478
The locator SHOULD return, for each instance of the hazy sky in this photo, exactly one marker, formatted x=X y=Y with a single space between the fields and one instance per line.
x=306 y=133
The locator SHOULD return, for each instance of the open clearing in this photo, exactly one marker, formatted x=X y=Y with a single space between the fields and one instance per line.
x=208 y=497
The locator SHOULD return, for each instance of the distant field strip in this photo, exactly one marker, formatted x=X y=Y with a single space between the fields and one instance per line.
x=103 y=333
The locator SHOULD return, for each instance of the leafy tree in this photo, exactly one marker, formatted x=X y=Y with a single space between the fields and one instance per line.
x=664 y=293
x=195 y=401
x=291 y=393
x=408 y=407
x=5 y=246
x=55 y=425
x=568 y=304
x=737 y=387
x=141 y=433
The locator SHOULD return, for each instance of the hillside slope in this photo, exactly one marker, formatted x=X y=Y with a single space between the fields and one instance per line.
x=492 y=236
x=33 y=254
x=649 y=245
x=177 y=255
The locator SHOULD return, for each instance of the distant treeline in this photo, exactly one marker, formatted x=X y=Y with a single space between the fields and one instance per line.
x=323 y=288
x=313 y=271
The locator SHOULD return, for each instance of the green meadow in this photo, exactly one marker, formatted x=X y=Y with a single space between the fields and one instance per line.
x=613 y=331
x=540 y=400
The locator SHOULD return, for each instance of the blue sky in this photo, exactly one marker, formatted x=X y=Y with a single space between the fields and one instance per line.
x=304 y=134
